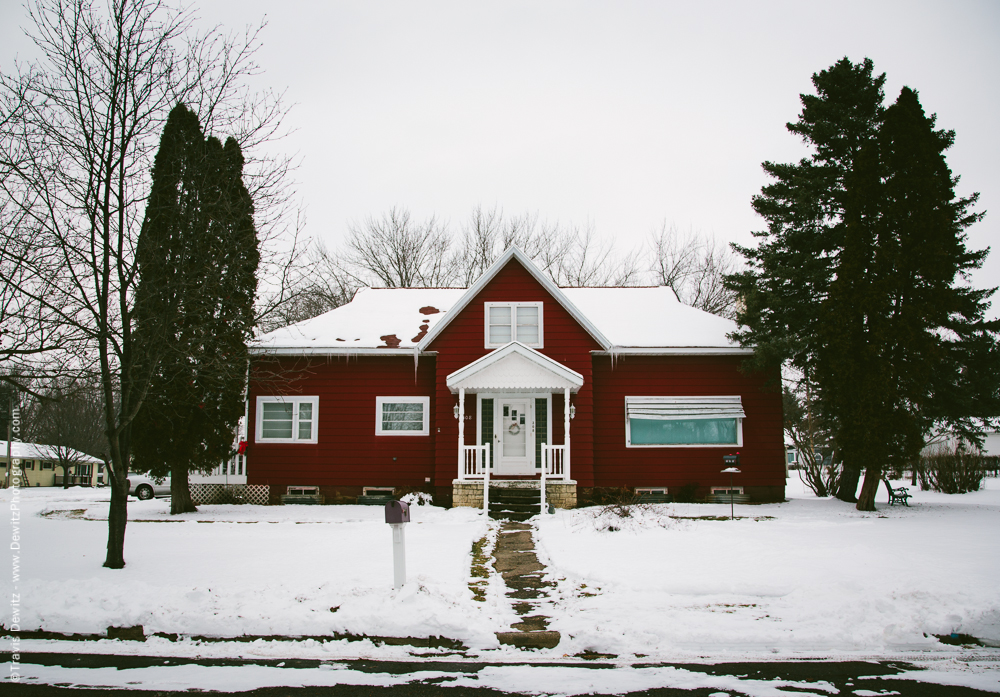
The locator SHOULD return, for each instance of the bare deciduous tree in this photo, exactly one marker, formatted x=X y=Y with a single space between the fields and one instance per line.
x=67 y=423
x=393 y=251
x=76 y=158
x=694 y=267
x=812 y=437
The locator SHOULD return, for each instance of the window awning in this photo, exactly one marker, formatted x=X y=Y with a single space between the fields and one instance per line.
x=670 y=408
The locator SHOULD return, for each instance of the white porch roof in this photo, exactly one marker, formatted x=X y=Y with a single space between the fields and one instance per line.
x=514 y=368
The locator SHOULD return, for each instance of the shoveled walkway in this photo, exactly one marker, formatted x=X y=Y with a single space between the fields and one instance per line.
x=515 y=560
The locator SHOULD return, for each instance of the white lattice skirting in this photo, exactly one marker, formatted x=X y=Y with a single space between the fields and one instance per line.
x=257 y=494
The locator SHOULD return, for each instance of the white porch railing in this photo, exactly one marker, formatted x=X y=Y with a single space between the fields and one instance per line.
x=476 y=465
x=555 y=465
x=475 y=462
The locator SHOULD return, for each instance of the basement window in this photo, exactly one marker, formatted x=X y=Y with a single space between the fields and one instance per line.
x=383 y=491
x=725 y=491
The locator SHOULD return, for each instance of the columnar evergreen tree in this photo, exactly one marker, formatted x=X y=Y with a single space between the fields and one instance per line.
x=861 y=279
x=197 y=256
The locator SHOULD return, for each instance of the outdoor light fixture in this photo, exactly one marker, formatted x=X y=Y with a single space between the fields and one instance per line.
x=454 y=410
x=572 y=411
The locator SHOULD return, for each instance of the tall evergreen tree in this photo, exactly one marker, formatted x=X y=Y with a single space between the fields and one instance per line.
x=907 y=345
x=884 y=319
x=197 y=256
x=790 y=271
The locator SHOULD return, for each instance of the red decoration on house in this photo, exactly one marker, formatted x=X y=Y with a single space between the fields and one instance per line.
x=241 y=448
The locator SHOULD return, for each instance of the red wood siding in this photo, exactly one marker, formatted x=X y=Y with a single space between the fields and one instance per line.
x=762 y=457
x=348 y=453
x=462 y=342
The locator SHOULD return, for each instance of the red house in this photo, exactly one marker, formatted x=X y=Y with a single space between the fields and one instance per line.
x=434 y=389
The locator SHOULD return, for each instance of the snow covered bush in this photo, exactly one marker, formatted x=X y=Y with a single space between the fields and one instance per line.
x=418 y=498
x=631 y=517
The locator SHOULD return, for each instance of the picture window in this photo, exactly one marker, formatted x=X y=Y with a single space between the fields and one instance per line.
x=683 y=421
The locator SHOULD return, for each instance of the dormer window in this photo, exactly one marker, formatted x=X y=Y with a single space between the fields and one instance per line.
x=507 y=322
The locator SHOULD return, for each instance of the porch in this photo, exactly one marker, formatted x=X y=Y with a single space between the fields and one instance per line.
x=511 y=445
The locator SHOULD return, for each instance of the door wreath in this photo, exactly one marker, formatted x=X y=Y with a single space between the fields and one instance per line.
x=514 y=429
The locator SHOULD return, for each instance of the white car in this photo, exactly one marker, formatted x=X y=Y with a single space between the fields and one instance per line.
x=144 y=487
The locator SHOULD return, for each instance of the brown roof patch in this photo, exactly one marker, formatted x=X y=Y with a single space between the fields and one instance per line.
x=391 y=341
x=423 y=332
x=428 y=310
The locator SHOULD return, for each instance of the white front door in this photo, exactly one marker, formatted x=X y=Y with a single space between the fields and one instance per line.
x=515 y=442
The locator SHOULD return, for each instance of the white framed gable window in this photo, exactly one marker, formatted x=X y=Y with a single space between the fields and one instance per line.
x=685 y=422
x=402 y=416
x=507 y=322
x=287 y=419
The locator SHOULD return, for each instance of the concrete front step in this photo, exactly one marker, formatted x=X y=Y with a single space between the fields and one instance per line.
x=511 y=515
x=515 y=507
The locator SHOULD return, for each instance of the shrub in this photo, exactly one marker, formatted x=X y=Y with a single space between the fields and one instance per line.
x=686 y=493
x=952 y=472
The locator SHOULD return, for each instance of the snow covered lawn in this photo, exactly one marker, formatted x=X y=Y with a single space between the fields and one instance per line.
x=810 y=575
x=258 y=570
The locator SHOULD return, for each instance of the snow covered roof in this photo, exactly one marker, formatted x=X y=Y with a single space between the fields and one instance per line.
x=651 y=317
x=397 y=320
x=377 y=318
x=36 y=451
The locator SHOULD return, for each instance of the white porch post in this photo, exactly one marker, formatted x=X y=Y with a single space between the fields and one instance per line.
x=566 y=427
x=461 y=433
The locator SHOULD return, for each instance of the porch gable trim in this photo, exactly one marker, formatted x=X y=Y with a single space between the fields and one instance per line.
x=566 y=377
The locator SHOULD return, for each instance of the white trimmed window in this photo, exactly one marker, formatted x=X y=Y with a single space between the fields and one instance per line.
x=287 y=419
x=663 y=422
x=402 y=416
x=507 y=322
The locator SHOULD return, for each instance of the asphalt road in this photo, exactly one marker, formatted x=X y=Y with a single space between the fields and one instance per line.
x=848 y=677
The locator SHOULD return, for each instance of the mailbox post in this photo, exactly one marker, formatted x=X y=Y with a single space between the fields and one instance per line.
x=733 y=461
x=397 y=514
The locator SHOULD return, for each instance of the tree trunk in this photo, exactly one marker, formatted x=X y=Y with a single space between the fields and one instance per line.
x=117 y=518
x=180 y=494
x=848 y=483
x=65 y=469
x=873 y=477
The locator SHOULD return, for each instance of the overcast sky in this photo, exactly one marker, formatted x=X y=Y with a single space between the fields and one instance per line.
x=623 y=115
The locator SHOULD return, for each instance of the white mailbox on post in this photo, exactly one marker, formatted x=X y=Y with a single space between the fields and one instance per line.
x=397 y=514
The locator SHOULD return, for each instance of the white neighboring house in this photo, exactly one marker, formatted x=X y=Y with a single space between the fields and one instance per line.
x=991 y=445
x=40 y=465
x=232 y=472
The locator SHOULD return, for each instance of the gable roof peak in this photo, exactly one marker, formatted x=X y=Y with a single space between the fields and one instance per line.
x=514 y=252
